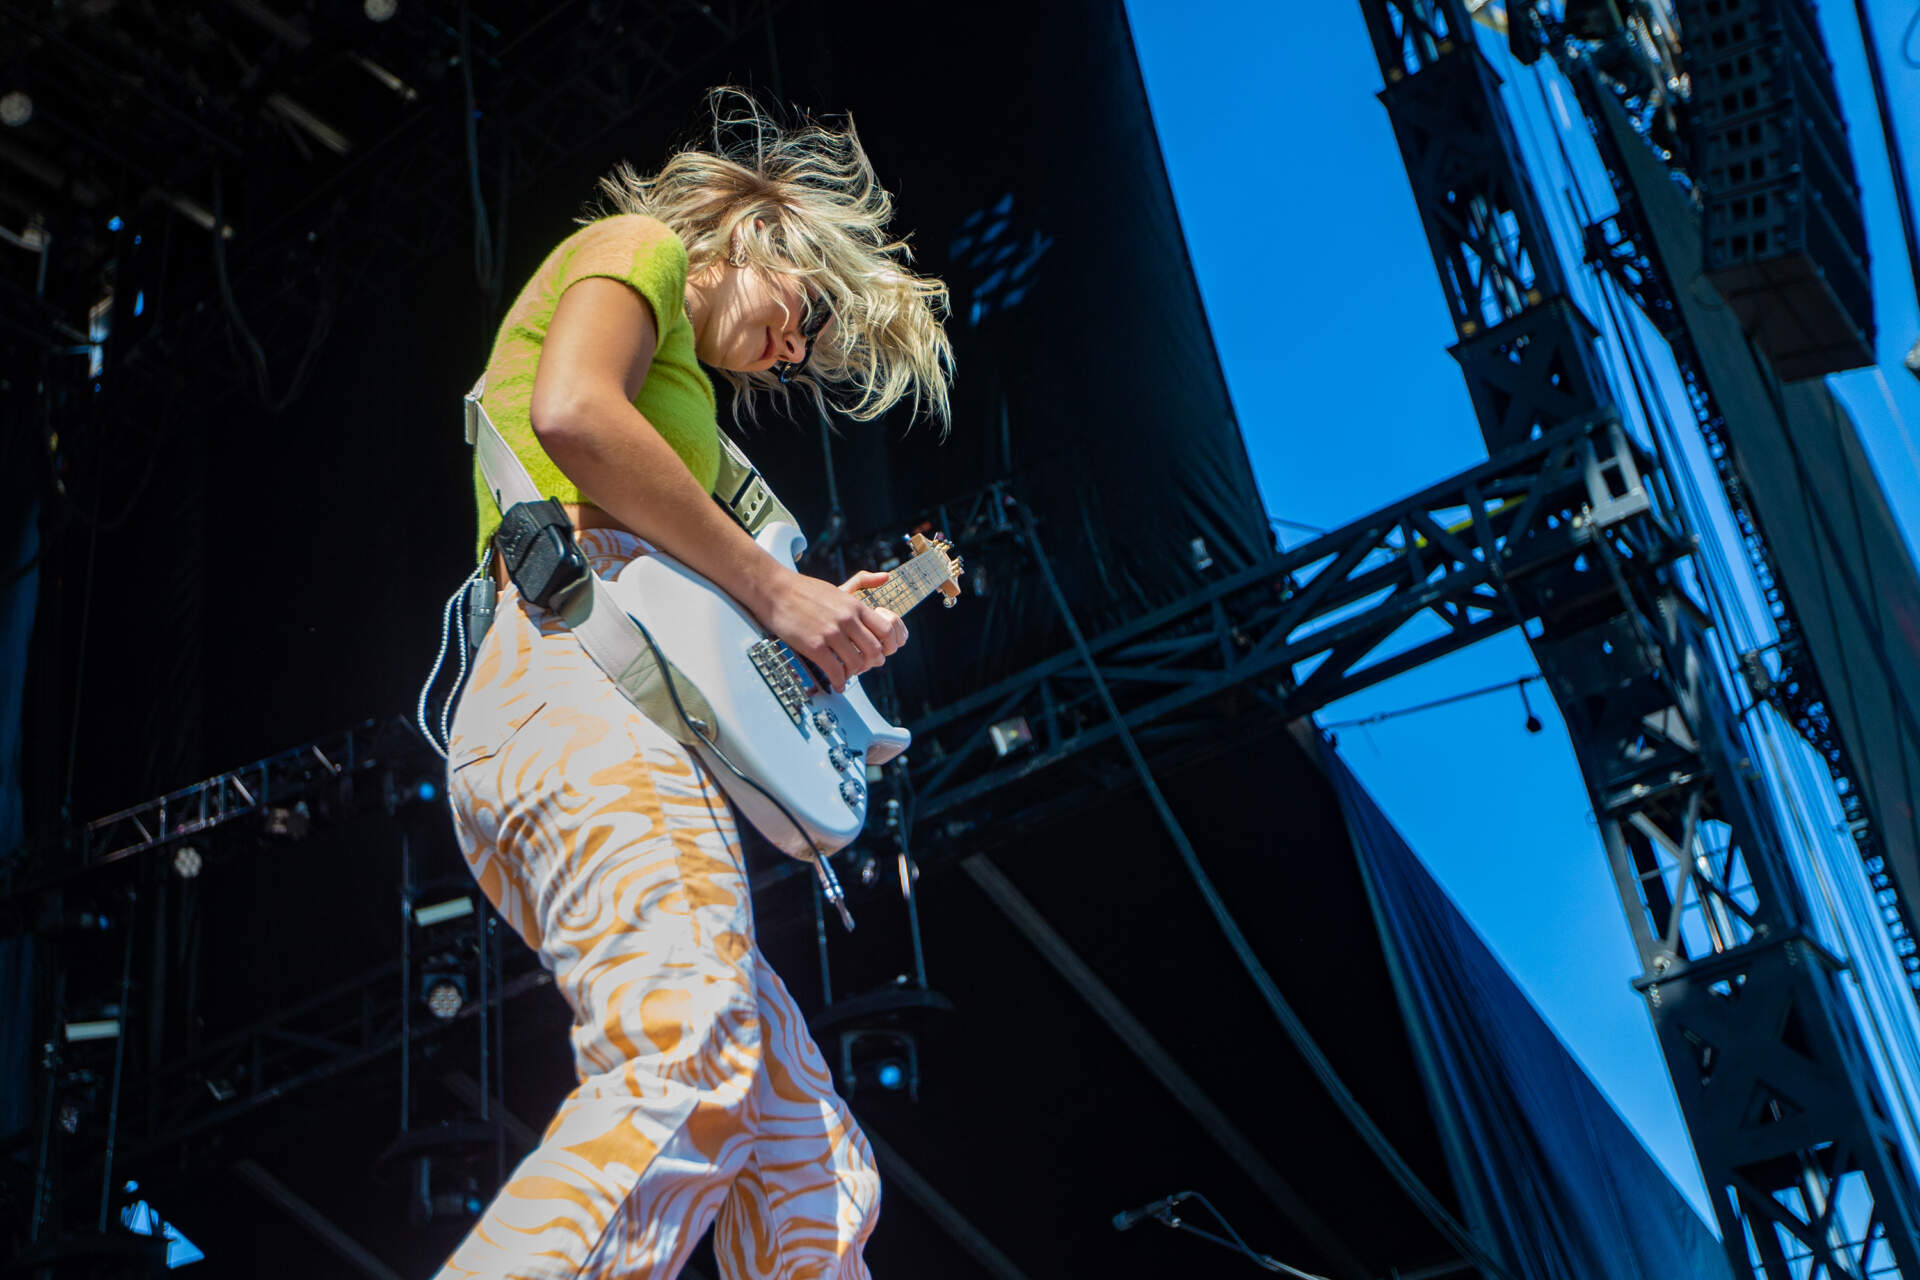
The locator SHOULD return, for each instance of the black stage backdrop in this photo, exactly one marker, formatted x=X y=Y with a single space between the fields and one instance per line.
x=1029 y=174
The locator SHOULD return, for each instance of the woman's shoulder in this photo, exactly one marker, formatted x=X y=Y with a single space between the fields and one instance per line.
x=635 y=232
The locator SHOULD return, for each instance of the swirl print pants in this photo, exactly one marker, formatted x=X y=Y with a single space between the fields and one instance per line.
x=701 y=1095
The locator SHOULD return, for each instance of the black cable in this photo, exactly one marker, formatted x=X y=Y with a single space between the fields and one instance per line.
x=1906 y=39
x=1316 y=1059
x=483 y=263
x=1902 y=195
x=713 y=745
x=1378 y=717
x=316 y=337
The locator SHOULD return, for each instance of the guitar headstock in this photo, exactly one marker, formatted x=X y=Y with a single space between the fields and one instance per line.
x=921 y=545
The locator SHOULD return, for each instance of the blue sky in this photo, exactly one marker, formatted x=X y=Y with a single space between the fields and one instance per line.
x=1330 y=324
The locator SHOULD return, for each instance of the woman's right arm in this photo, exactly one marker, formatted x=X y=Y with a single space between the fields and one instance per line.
x=593 y=362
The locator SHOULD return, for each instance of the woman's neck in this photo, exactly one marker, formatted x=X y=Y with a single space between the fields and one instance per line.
x=697 y=311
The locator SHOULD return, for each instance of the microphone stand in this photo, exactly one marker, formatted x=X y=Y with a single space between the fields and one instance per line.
x=1169 y=1218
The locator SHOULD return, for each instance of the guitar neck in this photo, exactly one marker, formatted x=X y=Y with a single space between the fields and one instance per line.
x=910 y=583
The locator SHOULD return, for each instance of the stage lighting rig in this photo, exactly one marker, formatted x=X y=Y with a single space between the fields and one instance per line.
x=288 y=822
x=446 y=1167
x=444 y=988
x=443 y=916
x=884 y=1060
x=188 y=861
x=1009 y=736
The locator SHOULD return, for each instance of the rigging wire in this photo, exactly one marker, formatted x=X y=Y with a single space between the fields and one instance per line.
x=1381 y=717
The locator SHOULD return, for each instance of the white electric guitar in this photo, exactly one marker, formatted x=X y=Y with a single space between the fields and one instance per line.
x=804 y=747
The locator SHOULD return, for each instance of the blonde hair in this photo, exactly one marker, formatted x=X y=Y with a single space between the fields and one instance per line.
x=825 y=216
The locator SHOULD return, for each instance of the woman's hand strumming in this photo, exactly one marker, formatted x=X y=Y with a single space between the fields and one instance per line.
x=830 y=626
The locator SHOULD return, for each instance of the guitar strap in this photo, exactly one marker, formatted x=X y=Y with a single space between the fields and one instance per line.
x=616 y=642
x=611 y=638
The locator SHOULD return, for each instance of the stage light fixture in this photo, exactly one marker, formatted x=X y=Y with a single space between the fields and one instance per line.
x=187 y=862
x=290 y=822
x=446 y=994
x=1198 y=553
x=451 y=909
x=1010 y=735
x=16 y=108
x=883 y=1059
x=93 y=1029
x=380 y=10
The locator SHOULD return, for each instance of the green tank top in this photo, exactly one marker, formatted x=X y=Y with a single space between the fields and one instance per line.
x=677 y=397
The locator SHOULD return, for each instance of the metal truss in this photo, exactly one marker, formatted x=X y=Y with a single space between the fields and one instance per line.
x=280 y=779
x=541 y=95
x=1464 y=559
x=1786 y=1116
x=1399 y=587
x=1620 y=246
x=348 y=1026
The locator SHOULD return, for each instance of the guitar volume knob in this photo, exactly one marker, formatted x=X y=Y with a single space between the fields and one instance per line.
x=825 y=721
x=837 y=756
x=853 y=793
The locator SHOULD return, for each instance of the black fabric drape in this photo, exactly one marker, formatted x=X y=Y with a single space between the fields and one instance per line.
x=1549 y=1174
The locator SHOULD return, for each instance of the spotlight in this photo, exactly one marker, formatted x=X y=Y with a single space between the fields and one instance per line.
x=16 y=108
x=444 y=1188
x=886 y=1060
x=380 y=10
x=427 y=789
x=290 y=822
x=187 y=862
x=446 y=994
x=1010 y=735
x=1202 y=558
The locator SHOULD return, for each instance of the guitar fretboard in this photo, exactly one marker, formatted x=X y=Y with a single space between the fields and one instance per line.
x=911 y=583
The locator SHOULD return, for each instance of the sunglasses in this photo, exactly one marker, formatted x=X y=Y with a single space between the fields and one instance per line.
x=811 y=325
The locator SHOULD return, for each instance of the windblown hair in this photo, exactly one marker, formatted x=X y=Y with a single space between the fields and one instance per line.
x=825 y=216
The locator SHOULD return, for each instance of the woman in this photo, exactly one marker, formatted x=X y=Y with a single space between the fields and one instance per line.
x=596 y=835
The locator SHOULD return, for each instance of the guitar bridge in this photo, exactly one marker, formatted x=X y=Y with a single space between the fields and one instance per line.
x=780 y=667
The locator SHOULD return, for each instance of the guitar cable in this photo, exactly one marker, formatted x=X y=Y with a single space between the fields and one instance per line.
x=449 y=623
x=829 y=882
